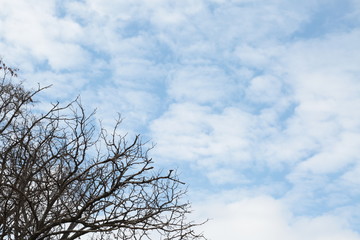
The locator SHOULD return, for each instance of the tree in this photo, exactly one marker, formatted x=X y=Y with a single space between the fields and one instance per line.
x=63 y=178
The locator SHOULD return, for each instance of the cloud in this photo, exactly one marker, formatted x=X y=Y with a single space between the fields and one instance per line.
x=263 y=217
x=258 y=94
x=202 y=84
x=325 y=88
x=192 y=132
x=264 y=89
x=34 y=27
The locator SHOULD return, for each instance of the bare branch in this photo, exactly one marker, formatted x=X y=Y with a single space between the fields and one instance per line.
x=61 y=178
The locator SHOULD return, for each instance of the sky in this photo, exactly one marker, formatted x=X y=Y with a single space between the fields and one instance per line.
x=254 y=102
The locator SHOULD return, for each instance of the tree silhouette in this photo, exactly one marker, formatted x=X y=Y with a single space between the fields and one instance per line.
x=63 y=178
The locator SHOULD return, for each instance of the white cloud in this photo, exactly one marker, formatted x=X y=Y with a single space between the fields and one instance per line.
x=263 y=217
x=334 y=156
x=257 y=56
x=32 y=26
x=265 y=89
x=220 y=176
x=352 y=176
x=202 y=84
x=327 y=95
x=192 y=132
x=135 y=106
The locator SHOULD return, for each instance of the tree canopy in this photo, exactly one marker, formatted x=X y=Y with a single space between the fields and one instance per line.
x=61 y=177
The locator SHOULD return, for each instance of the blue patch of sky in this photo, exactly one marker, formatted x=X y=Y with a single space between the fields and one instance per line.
x=328 y=17
x=96 y=53
x=134 y=28
x=161 y=53
x=311 y=206
x=286 y=114
x=253 y=107
x=256 y=108
x=262 y=175
x=318 y=202
x=238 y=96
x=252 y=175
x=42 y=66
x=250 y=178
x=340 y=171
x=60 y=9
x=212 y=6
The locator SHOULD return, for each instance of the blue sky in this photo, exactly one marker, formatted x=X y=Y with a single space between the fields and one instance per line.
x=255 y=102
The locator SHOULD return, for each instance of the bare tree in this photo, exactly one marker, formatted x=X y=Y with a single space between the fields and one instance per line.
x=63 y=178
